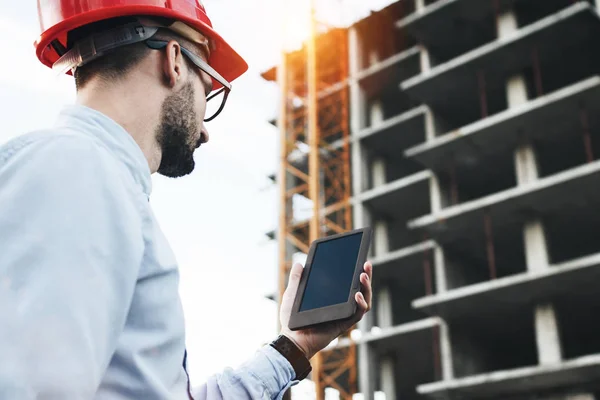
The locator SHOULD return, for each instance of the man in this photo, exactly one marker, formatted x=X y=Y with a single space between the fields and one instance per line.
x=89 y=305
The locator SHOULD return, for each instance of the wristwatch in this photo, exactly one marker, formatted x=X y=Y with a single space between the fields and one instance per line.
x=294 y=355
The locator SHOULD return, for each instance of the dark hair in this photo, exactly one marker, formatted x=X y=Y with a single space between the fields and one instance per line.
x=113 y=65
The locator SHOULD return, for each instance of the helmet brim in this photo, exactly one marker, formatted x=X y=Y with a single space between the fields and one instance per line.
x=223 y=58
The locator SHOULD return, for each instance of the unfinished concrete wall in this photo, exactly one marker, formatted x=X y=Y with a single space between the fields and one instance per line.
x=392 y=190
x=488 y=343
x=424 y=72
x=485 y=273
x=487 y=235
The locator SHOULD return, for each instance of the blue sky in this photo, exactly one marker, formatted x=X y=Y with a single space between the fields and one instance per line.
x=215 y=219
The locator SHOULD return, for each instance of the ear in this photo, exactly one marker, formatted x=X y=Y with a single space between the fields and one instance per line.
x=173 y=66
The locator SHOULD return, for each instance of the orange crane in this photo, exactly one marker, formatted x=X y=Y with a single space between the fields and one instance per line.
x=314 y=112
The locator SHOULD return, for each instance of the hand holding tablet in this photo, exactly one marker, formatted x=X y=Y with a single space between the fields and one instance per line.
x=331 y=293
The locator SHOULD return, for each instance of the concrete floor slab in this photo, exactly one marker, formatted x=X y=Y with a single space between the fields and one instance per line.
x=394 y=135
x=390 y=260
x=383 y=340
x=448 y=24
x=568 y=374
x=512 y=292
x=458 y=78
x=401 y=199
x=405 y=268
x=410 y=347
x=542 y=119
x=395 y=69
x=388 y=338
x=548 y=195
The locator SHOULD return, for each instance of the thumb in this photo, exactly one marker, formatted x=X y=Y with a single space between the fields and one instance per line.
x=294 y=279
x=295 y=275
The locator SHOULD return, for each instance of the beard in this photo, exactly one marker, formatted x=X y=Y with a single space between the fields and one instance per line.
x=177 y=134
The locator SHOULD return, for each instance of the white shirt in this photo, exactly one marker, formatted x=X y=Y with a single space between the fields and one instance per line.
x=89 y=304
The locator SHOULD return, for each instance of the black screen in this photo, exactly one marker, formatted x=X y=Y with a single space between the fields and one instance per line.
x=331 y=273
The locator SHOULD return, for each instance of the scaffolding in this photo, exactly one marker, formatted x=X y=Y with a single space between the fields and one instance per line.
x=314 y=115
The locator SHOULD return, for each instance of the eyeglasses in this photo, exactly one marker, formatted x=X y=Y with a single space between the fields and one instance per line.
x=99 y=44
x=215 y=107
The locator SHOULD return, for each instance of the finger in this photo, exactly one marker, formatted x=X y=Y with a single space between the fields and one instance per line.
x=368 y=268
x=294 y=280
x=362 y=303
x=367 y=289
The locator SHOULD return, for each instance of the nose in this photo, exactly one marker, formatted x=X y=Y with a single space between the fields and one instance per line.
x=204 y=134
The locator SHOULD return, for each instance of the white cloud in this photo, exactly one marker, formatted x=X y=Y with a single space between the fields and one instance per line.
x=21 y=69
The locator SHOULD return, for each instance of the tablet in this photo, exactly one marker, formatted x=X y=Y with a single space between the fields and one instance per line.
x=330 y=279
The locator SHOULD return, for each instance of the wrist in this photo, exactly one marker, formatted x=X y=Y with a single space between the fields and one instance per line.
x=294 y=354
x=303 y=348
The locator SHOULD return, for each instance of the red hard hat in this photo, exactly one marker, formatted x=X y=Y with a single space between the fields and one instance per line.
x=58 y=17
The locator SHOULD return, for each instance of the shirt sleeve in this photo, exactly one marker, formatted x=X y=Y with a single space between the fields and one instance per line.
x=71 y=247
x=266 y=376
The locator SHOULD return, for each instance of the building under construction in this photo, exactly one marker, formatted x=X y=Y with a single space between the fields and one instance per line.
x=467 y=134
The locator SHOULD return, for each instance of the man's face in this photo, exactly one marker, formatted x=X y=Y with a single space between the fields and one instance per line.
x=181 y=130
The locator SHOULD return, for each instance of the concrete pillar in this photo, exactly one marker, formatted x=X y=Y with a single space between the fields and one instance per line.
x=366 y=366
x=536 y=256
x=366 y=371
x=376 y=113
x=378 y=175
x=435 y=194
x=547 y=337
x=441 y=282
x=430 y=126
x=526 y=168
x=357 y=96
x=446 y=353
x=436 y=202
x=357 y=121
x=516 y=90
x=381 y=241
x=388 y=380
x=441 y=285
x=386 y=363
x=506 y=25
x=425 y=60
x=359 y=183
x=536 y=249
x=384 y=308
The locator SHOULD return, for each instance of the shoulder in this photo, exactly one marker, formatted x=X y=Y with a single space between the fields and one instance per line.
x=61 y=155
x=57 y=168
x=60 y=146
x=62 y=179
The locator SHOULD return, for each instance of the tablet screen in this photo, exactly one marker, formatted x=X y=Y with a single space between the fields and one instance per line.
x=332 y=269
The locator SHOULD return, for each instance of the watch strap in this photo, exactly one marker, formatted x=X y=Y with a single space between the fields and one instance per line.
x=294 y=355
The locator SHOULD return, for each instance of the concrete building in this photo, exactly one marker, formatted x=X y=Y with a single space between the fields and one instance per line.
x=475 y=144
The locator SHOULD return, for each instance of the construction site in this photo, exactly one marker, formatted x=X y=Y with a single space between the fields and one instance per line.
x=466 y=133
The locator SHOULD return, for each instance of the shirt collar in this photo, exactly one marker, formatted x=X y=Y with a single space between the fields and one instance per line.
x=96 y=124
